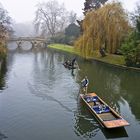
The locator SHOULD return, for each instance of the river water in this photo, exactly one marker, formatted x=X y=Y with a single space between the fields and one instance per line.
x=39 y=98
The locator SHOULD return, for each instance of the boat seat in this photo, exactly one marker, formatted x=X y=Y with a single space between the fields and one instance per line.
x=99 y=110
x=91 y=99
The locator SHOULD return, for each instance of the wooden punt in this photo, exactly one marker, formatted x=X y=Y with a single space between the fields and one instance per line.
x=106 y=116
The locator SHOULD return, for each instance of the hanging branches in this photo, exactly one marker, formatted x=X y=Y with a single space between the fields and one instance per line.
x=93 y=5
x=103 y=28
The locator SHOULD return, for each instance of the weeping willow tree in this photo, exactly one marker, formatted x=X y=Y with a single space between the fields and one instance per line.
x=105 y=27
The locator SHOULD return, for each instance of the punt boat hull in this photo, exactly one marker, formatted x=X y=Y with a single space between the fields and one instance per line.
x=106 y=116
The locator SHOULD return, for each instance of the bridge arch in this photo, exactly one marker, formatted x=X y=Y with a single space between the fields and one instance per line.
x=35 y=41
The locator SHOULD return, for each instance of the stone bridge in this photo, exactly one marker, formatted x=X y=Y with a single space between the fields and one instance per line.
x=35 y=41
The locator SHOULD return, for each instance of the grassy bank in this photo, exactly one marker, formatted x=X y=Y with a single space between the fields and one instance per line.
x=112 y=59
x=63 y=47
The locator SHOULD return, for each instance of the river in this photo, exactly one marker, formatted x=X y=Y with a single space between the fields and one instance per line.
x=39 y=98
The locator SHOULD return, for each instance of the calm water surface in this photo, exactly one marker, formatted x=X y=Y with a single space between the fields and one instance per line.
x=39 y=98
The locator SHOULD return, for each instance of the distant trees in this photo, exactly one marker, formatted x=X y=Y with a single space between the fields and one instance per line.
x=90 y=5
x=54 y=21
x=72 y=17
x=51 y=17
x=5 y=24
x=72 y=32
x=131 y=47
x=131 y=50
x=93 y=5
x=105 y=28
x=5 y=30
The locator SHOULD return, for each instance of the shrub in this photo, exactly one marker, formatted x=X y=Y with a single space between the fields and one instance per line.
x=131 y=50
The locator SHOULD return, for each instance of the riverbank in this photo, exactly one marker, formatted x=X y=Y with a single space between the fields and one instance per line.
x=3 y=51
x=63 y=47
x=113 y=60
x=3 y=54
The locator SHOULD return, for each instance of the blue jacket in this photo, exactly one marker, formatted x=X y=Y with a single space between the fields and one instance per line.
x=85 y=82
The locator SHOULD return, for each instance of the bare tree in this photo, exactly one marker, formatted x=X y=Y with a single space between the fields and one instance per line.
x=5 y=24
x=51 y=17
x=72 y=17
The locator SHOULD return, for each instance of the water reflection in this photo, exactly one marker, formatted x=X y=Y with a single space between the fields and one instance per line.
x=24 y=46
x=115 y=133
x=2 y=136
x=46 y=96
x=49 y=86
x=85 y=124
x=48 y=74
x=3 y=70
x=113 y=85
x=130 y=87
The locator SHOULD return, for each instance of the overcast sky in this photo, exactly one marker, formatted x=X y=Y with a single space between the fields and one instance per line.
x=23 y=10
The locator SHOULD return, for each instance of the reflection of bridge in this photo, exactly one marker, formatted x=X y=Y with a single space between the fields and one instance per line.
x=35 y=41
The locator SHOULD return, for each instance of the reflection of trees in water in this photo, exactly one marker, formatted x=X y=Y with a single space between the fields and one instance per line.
x=130 y=90
x=103 y=82
x=85 y=125
x=114 y=133
x=2 y=136
x=107 y=84
x=46 y=77
x=44 y=69
x=46 y=96
x=3 y=71
x=113 y=84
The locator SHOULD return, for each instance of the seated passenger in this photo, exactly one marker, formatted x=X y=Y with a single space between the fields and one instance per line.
x=101 y=109
x=67 y=63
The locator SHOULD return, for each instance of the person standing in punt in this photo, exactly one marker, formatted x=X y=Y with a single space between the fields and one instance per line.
x=85 y=83
x=73 y=62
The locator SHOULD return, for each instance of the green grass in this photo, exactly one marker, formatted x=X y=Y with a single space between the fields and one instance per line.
x=63 y=47
x=110 y=58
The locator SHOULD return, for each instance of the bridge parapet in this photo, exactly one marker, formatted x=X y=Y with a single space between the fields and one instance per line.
x=27 y=39
x=35 y=41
